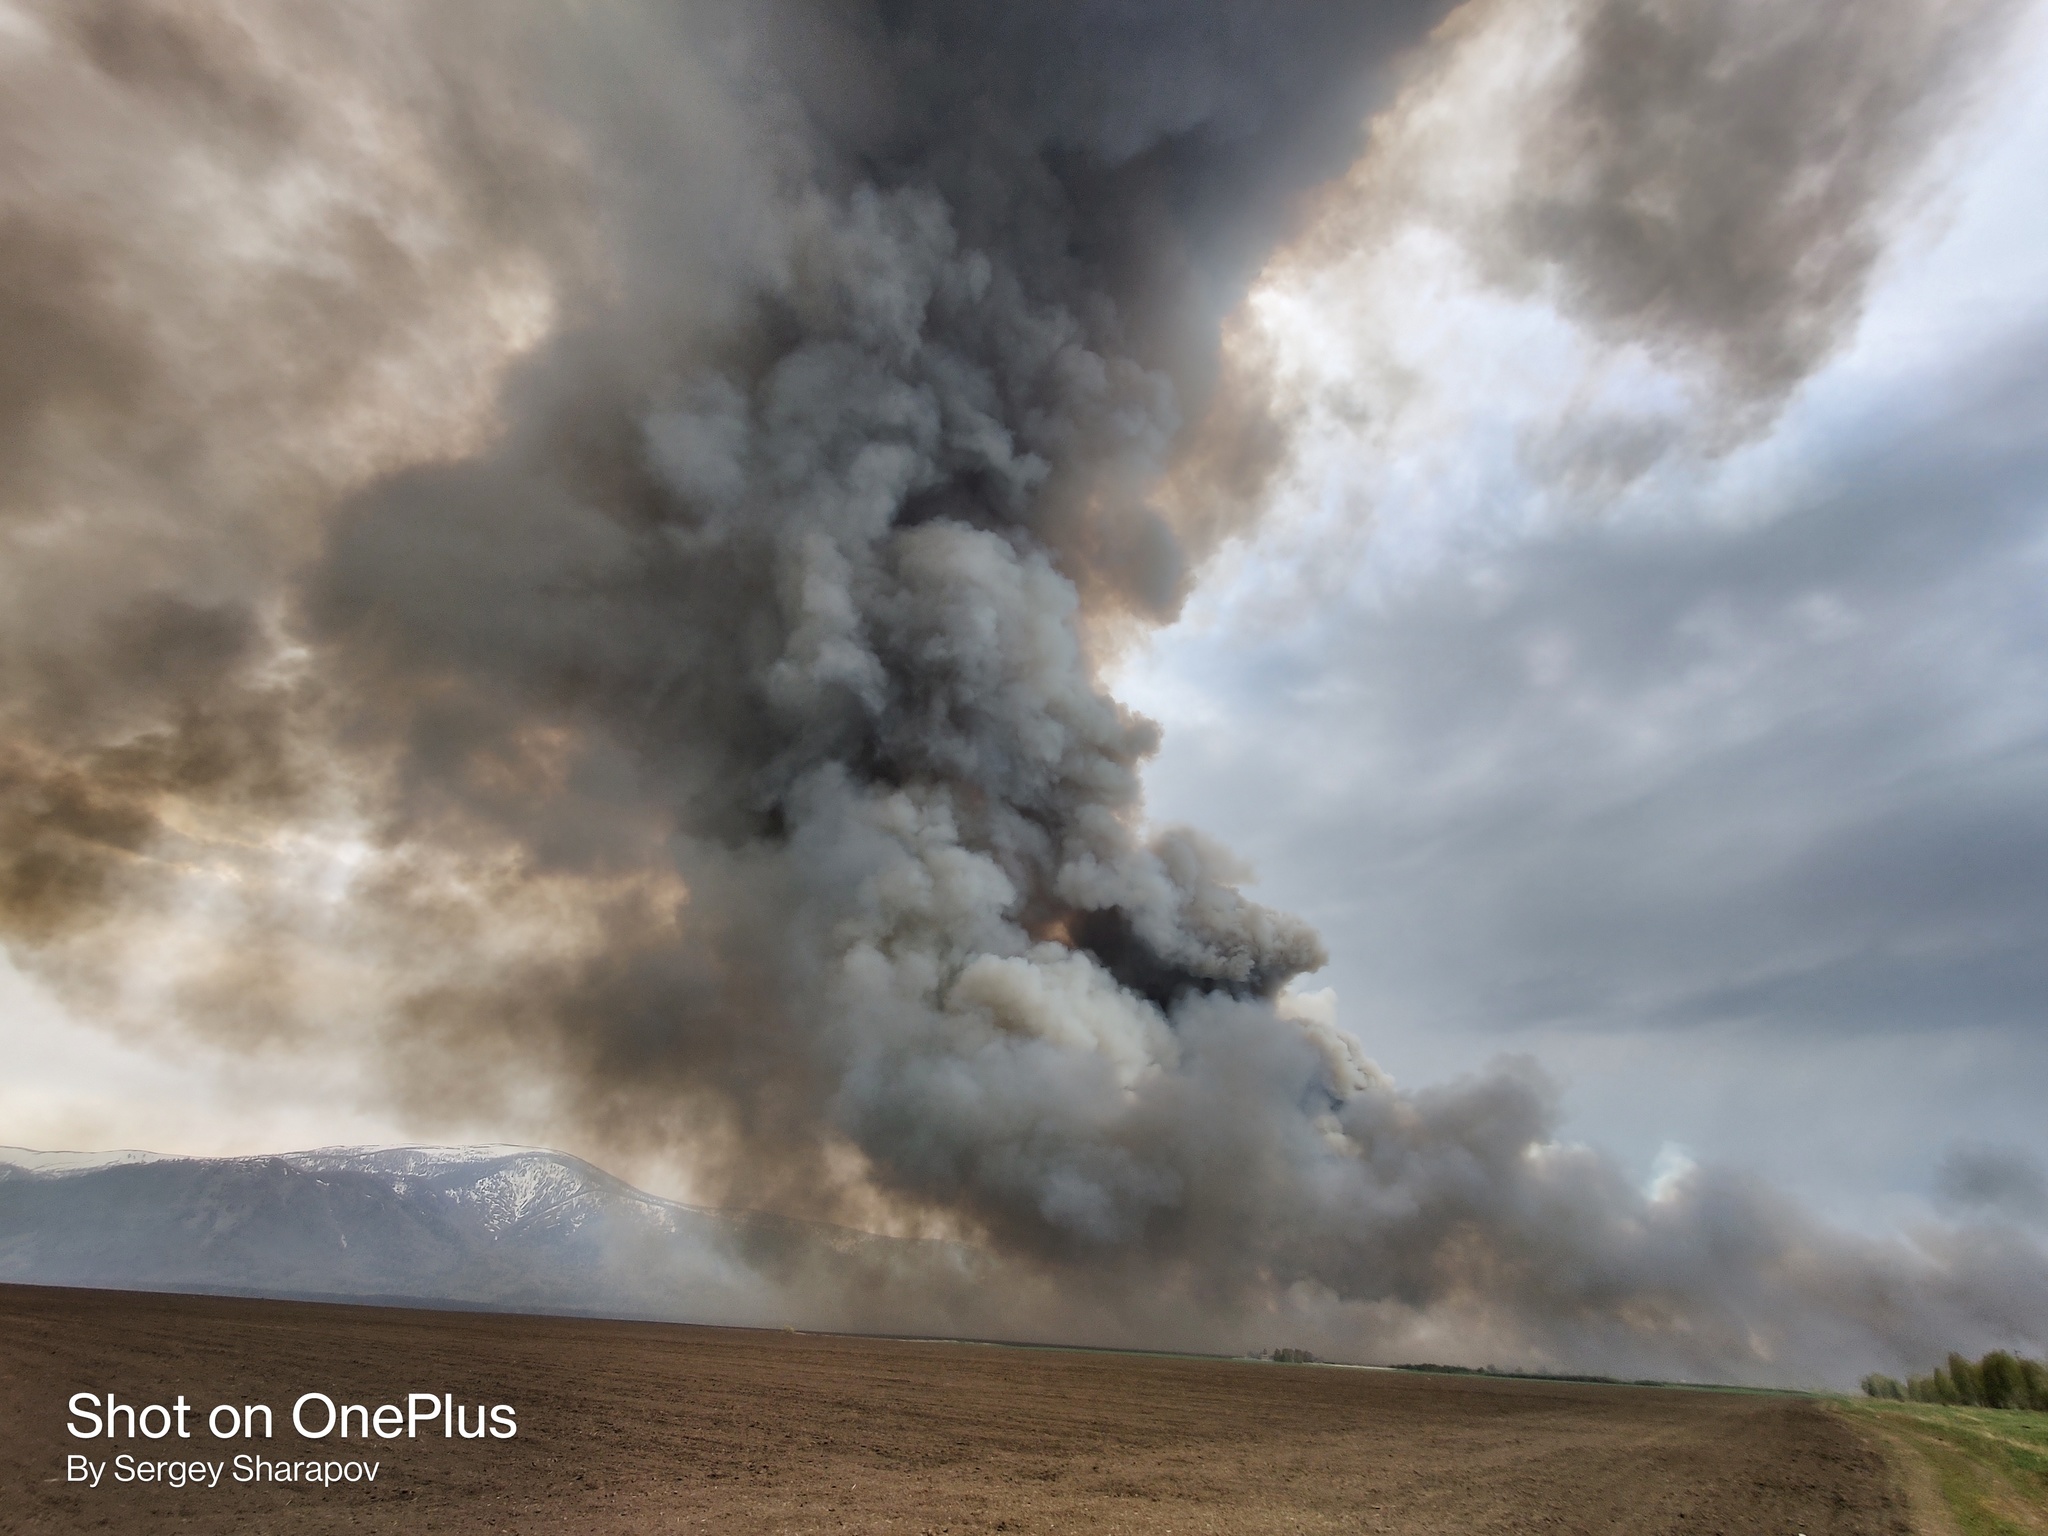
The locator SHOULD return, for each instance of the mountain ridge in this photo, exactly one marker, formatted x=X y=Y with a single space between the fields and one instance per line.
x=495 y=1226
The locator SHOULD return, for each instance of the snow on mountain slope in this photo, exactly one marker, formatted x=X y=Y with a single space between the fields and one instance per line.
x=507 y=1187
x=26 y=1161
x=498 y=1226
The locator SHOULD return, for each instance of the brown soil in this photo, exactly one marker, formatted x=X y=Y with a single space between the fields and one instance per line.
x=627 y=1427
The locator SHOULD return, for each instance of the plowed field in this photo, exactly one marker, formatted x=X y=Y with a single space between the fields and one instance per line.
x=626 y=1427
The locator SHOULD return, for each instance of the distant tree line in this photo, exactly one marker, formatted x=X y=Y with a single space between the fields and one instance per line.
x=1291 y=1357
x=1509 y=1375
x=1999 y=1380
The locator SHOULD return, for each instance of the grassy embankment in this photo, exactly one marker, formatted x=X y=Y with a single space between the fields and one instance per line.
x=1990 y=1464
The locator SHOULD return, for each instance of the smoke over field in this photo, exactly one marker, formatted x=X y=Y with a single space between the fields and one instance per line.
x=566 y=551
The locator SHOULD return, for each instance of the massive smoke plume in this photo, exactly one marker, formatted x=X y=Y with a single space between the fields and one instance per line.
x=569 y=549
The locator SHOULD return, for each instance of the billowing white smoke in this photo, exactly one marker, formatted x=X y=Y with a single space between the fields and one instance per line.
x=712 y=720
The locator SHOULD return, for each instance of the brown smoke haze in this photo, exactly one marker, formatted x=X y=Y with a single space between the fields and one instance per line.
x=563 y=550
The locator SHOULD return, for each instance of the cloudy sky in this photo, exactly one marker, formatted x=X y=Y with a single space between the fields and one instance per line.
x=577 y=577
x=1717 y=781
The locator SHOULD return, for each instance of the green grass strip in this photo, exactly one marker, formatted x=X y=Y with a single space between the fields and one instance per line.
x=1991 y=1464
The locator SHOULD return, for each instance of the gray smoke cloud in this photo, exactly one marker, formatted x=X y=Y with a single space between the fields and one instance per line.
x=1702 y=193
x=1720 y=177
x=2002 y=1180
x=646 y=492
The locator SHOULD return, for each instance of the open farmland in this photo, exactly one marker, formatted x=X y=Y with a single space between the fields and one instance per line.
x=1986 y=1468
x=657 y=1428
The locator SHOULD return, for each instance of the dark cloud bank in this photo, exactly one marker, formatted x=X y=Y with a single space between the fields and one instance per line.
x=709 y=694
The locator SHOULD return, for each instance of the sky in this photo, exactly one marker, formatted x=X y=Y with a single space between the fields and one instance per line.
x=1740 y=765
x=1371 y=665
x=1723 y=793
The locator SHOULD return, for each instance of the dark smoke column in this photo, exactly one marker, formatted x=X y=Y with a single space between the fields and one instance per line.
x=707 y=715
x=815 y=576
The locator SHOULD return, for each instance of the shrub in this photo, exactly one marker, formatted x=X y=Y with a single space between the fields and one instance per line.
x=1875 y=1385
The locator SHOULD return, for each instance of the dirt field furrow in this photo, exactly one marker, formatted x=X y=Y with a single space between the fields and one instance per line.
x=649 y=1428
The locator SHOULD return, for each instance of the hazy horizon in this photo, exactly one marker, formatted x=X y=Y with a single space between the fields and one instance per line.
x=1372 y=667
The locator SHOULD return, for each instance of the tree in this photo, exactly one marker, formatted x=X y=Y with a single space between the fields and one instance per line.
x=1999 y=1382
x=2034 y=1382
x=1968 y=1386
